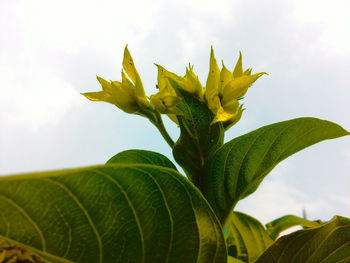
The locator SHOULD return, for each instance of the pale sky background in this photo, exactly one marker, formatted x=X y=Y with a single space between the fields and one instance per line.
x=50 y=51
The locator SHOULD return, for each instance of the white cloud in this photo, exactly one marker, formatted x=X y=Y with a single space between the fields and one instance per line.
x=333 y=18
x=347 y=153
x=222 y=9
x=39 y=98
x=275 y=198
x=72 y=25
x=31 y=92
x=194 y=38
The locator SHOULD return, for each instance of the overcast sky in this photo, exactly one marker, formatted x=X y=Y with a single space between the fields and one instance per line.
x=50 y=51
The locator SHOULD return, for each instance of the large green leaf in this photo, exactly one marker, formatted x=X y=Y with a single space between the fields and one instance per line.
x=141 y=157
x=329 y=243
x=239 y=166
x=275 y=227
x=247 y=238
x=111 y=213
x=198 y=139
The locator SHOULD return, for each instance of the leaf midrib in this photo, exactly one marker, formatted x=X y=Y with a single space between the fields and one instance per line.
x=168 y=210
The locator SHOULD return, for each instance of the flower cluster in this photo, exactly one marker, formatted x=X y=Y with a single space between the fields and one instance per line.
x=222 y=92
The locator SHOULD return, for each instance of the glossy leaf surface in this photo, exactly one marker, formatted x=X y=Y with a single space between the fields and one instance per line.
x=238 y=167
x=275 y=227
x=247 y=238
x=110 y=213
x=329 y=243
x=141 y=157
x=198 y=139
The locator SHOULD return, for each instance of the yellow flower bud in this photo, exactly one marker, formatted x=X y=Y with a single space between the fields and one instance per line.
x=192 y=83
x=115 y=93
x=238 y=87
x=124 y=97
x=238 y=70
x=225 y=77
x=227 y=111
x=104 y=95
x=163 y=81
x=213 y=82
x=130 y=69
x=129 y=94
x=229 y=123
x=224 y=88
x=189 y=82
x=165 y=103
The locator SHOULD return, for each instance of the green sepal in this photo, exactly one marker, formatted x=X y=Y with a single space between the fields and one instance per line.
x=198 y=139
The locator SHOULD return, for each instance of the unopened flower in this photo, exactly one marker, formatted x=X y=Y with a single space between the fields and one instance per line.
x=189 y=83
x=166 y=99
x=229 y=123
x=129 y=94
x=224 y=88
x=192 y=83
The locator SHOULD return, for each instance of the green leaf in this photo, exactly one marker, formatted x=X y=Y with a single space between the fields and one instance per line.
x=198 y=139
x=327 y=244
x=111 y=213
x=141 y=157
x=233 y=260
x=238 y=167
x=247 y=238
x=278 y=225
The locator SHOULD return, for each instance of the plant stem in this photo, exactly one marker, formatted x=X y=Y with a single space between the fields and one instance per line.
x=156 y=119
x=164 y=133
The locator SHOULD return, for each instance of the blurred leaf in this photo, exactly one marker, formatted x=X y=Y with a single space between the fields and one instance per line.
x=278 y=225
x=233 y=260
x=141 y=157
x=198 y=139
x=247 y=238
x=329 y=243
x=238 y=167
x=111 y=213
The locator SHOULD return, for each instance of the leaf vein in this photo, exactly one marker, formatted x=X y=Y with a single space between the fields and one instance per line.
x=137 y=220
x=83 y=209
x=168 y=209
x=29 y=218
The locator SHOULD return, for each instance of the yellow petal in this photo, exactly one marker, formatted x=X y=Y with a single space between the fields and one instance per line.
x=230 y=106
x=238 y=71
x=223 y=114
x=213 y=81
x=225 y=77
x=123 y=99
x=248 y=72
x=130 y=69
x=128 y=65
x=163 y=80
x=236 y=88
x=98 y=96
x=193 y=84
x=229 y=123
x=106 y=85
x=128 y=85
x=165 y=103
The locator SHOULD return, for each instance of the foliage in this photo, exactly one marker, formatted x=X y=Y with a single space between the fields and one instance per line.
x=139 y=208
